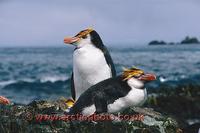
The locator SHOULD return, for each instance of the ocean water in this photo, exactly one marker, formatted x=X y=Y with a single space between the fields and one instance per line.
x=27 y=74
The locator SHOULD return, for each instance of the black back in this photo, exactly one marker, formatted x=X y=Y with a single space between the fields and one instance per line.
x=96 y=40
x=73 y=93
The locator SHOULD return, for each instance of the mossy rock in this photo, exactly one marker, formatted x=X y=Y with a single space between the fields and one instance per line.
x=20 y=119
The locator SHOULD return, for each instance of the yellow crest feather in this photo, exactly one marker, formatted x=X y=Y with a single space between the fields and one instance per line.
x=128 y=73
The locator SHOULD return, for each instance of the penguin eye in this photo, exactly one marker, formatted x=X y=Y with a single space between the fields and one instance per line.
x=84 y=37
x=137 y=76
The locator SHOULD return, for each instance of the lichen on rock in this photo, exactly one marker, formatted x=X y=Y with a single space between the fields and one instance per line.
x=22 y=119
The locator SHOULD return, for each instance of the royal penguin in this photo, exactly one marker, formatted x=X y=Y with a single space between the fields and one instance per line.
x=114 y=94
x=92 y=62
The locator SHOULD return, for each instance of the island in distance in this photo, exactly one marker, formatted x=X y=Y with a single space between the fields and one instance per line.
x=187 y=40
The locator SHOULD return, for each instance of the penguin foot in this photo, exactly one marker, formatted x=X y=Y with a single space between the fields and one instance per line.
x=4 y=100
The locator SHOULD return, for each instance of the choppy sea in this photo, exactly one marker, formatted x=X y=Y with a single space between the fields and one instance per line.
x=27 y=74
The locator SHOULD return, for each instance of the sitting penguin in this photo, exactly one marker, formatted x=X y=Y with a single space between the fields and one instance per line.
x=92 y=62
x=114 y=94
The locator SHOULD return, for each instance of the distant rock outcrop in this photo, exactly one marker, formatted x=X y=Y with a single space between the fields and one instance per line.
x=187 y=40
x=155 y=42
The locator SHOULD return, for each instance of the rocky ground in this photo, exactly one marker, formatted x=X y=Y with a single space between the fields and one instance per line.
x=24 y=119
x=180 y=102
x=179 y=112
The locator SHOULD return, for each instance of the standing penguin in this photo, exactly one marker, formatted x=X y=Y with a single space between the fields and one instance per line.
x=114 y=94
x=92 y=62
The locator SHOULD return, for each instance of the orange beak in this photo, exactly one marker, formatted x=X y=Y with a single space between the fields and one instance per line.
x=4 y=100
x=70 y=40
x=147 y=77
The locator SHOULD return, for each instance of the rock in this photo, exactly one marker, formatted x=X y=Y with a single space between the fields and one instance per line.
x=194 y=128
x=155 y=42
x=24 y=119
x=188 y=40
x=180 y=102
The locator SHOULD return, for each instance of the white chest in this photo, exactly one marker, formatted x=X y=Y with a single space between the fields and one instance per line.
x=89 y=67
x=135 y=97
x=88 y=59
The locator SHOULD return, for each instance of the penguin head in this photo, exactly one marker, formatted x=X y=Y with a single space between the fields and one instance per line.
x=137 y=76
x=85 y=37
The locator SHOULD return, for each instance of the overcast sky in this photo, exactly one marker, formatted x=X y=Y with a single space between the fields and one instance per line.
x=46 y=22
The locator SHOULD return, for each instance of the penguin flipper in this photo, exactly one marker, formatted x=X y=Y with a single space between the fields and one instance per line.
x=100 y=103
x=109 y=61
x=73 y=93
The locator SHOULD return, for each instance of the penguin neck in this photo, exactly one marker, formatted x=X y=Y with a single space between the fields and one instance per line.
x=135 y=83
x=85 y=45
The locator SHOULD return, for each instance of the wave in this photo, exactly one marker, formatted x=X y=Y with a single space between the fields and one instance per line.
x=37 y=86
x=43 y=79
x=24 y=92
x=4 y=83
x=47 y=81
x=53 y=78
x=51 y=87
x=164 y=79
x=59 y=84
